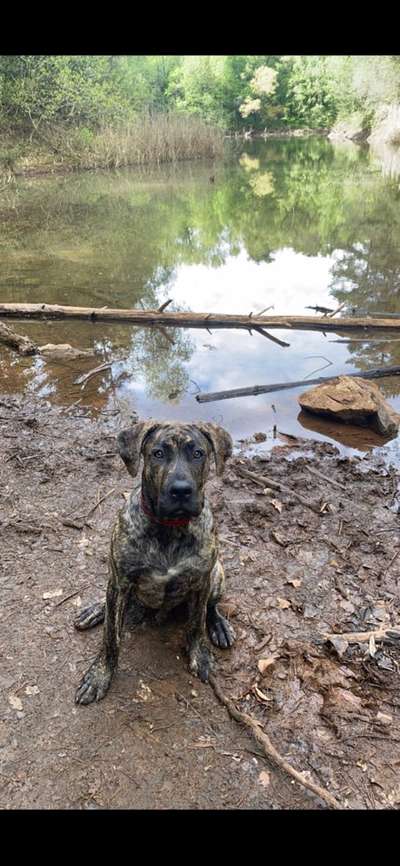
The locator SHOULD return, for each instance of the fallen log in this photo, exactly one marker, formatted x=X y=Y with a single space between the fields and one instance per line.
x=209 y=397
x=25 y=346
x=10 y=338
x=175 y=319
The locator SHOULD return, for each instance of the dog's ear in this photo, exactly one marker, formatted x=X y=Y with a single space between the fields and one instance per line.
x=221 y=443
x=130 y=443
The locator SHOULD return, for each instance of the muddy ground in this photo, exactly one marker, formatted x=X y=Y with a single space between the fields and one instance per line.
x=161 y=739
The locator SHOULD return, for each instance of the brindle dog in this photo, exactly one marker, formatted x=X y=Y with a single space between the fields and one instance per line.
x=164 y=547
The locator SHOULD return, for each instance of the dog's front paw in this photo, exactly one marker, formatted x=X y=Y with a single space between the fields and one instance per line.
x=200 y=661
x=90 y=616
x=220 y=630
x=95 y=684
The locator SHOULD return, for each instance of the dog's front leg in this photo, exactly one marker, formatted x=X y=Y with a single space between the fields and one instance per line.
x=97 y=679
x=200 y=657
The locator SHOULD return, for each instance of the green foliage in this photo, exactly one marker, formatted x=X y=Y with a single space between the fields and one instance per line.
x=310 y=96
x=73 y=89
x=232 y=91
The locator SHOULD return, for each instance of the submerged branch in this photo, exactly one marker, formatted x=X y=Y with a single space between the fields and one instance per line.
x=282 y=386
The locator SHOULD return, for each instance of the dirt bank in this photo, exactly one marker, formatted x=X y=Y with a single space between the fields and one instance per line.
x=160 y=739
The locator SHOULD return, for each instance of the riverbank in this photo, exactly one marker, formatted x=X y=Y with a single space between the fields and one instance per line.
x=146 y=141
x=305 y=132
x=381 y=129
x=160 y=739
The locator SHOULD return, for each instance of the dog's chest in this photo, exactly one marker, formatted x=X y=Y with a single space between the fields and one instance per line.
x=157 y=591
x=155 y=588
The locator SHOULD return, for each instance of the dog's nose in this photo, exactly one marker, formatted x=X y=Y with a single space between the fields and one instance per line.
x=181 y=490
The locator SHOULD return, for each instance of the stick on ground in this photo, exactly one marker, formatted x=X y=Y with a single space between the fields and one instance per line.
x=266 y=481
x=325 y=478
x=390 y=632
x=269 y=749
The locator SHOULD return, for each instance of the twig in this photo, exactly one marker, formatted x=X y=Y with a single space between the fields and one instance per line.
x=325 y=478
x=194 y=710
x=265 y=481
x=271 y=307
x=391 y=632
x=71 y=595
x=317 y=369
x=165 y=334
x=164 y=305
x=269 y=749
x=385 y=570
x=331 y=315
x=85 y=517
x=269 y=336
x=81 y=380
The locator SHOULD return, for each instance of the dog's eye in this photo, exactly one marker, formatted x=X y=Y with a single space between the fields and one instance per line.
x=197 y=454
x=158 y=453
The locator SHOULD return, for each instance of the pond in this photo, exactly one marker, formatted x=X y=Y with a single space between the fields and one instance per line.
x=287 y=224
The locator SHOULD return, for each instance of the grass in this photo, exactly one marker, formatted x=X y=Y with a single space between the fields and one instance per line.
x=146 y=140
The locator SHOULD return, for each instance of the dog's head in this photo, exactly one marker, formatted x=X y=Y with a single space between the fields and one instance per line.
x=176 y=463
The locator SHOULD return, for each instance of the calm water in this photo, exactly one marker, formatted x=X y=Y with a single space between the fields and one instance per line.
x=286 y=223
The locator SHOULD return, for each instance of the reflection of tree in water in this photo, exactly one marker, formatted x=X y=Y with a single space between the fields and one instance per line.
x=369 y=274
x=366 y=276
x=159 y=360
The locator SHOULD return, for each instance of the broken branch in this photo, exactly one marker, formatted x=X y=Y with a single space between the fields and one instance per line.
x=164 y=305
x=270 y=337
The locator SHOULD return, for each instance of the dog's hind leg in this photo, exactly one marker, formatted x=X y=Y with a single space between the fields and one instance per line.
x=219 y=629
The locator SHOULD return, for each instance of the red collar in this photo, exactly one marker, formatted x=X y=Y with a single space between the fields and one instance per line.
x=177 y=521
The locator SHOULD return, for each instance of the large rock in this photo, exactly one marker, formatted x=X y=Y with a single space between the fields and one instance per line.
x=354 y=401
x=64 y=352
x=351 y=129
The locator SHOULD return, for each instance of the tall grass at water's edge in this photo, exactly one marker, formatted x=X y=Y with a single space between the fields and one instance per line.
x=142 y=141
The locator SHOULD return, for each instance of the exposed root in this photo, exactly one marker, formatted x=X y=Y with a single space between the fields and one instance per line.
x=270 y=750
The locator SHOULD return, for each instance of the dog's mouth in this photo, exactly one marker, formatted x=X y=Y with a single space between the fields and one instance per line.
x=164 y=509
x=178 y=510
